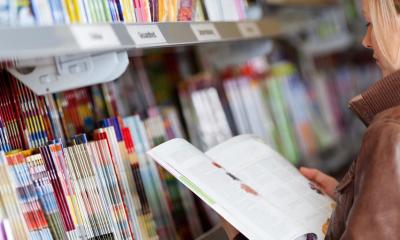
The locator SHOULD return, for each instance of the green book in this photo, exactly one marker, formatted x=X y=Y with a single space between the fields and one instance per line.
x=286 y=142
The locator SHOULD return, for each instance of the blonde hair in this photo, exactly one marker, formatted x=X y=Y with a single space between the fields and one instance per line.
x=385 y=16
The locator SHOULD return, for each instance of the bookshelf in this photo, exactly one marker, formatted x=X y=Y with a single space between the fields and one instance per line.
x=48 y=41
x=65 y=106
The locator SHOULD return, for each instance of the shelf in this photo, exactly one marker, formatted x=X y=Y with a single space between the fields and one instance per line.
x=339 y=43
x=47 y=41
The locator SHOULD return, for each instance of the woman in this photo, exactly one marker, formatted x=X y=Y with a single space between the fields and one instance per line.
x=368 y=197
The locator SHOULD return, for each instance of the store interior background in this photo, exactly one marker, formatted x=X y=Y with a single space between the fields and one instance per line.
x=304 y=78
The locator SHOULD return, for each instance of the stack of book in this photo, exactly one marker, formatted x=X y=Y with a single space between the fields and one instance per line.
x=27 y=120
x=49 y=12
x=298 y=118
x=204 y=113
x=104 y=188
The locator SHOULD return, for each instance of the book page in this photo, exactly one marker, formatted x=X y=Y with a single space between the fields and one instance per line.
x=273 y=179
x=249 y=213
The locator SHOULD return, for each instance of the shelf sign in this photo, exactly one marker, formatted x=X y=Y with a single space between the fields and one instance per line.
x=205 y=32
x=95 y=36
x=249 y=29
x=146 y=34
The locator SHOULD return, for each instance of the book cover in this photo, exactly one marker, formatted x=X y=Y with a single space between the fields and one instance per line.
x=163 y=10
x=6 y=12
x=24 y=14
x=186 y=10
x=173 y=6
x=106 y=11
x=153 y=4
x=214 y=10
x=42 y=12
x=145 y=9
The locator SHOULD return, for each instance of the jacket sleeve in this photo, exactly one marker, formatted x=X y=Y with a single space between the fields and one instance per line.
x=375 y=213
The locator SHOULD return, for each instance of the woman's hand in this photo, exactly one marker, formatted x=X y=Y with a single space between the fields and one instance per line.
x=229 y=229
x=323 y=182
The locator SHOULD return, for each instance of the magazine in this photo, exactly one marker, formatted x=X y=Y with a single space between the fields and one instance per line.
x=250 y=185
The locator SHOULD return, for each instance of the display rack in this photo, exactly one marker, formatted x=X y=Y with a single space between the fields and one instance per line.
x=47 y=41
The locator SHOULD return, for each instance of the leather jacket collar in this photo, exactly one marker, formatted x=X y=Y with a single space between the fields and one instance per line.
x=381 y=96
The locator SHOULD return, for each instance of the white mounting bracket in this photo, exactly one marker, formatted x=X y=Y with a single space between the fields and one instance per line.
x=69 y=72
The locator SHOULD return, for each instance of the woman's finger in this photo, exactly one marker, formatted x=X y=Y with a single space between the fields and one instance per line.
x=324 y=182
x=309 y=173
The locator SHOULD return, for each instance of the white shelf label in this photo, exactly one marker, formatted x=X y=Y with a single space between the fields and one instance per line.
x=146 y=34
x=249 y=29
x=205 y=32
x=95 y=36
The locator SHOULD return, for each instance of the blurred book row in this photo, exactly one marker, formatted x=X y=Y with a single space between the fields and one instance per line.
x=49 y=12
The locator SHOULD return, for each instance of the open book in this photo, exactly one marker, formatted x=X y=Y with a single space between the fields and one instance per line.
x=250 y=185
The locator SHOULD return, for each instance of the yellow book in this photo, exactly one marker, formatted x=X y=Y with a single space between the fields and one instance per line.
x=132 y=11
x=70 y=10
x=163 y=10
x=127 y=11
x=173 y=10
x=75 y=5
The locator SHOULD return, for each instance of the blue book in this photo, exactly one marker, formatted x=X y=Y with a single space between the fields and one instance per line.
x=5 y=12
x=57 y=11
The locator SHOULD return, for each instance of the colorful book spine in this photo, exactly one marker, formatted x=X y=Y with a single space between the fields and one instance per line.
x=151 y=180
x=9 y=112
x=95 y=206
x=4 y=139
x=146 y=216
x=70 y=10
x=115 y=137
x=43 y=187
x=51 y=12
x=9 y=198
x=58 y=176
x=286 y=142
x=28 y=198
x=112 y=181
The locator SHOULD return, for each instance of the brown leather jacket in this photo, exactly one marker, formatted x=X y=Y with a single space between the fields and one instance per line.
x=368 y=197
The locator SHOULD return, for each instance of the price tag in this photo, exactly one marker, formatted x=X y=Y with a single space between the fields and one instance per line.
x=146 y=34
x=205 y=32
x=95 y=36
x=249 y=29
